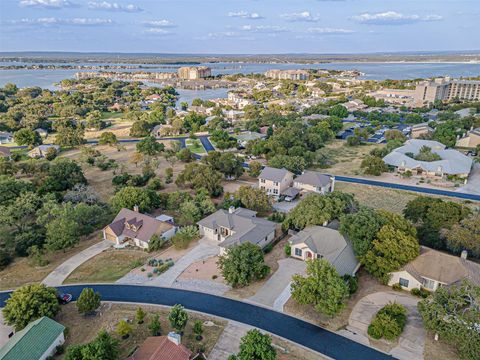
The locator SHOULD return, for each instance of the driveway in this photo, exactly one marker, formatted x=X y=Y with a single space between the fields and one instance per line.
x=5 y=330
x=288 y=327
x=203 y=250
x=59 y=275
x=285 y=206
x=229 y=341
x=276 y=291
x=412 y=341
x=473 y=184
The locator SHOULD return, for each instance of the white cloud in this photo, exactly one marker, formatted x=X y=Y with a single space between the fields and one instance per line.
x=113 y=6
x=158 y=31
x=163 y=23
x=226 y=35
x=245 y=15
x=329 y=31
x=301 y=16
x=263 y=28
x=393 y=18
x=47 y=4
x=51 y=21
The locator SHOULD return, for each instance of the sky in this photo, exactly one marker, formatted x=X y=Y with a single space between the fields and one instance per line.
x=239 y=26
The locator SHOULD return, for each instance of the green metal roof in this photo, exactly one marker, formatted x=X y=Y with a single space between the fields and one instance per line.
x=33 y=341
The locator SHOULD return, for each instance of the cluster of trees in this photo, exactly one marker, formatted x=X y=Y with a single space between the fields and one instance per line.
x=249 y=198
x=228 y=164
x=201 y=176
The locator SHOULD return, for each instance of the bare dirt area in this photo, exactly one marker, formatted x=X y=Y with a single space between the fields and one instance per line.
x=82 y=329
x=367 y=284
x=289 y=351
x=438 y=349
x=271 y=259
x=22 y=272
x=203 y=270
x=346 y=160
x=120 y=129
x=101 y=181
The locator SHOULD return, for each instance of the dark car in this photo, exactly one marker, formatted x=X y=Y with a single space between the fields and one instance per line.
x=64 y=298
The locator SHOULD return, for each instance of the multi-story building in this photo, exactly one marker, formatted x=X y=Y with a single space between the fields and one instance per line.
x=194 y=72
x=287 y=74
x=445 y=89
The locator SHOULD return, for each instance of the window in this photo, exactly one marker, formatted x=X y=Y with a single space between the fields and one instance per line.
x=275 y=191
x=275 y=183
x=403 y=282
x=298 y=252
x=428 y=284
x=262 y=181
x=319 y=256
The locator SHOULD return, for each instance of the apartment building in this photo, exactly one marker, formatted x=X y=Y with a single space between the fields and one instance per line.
x=287 y=74
x=194 y=72
x=446 y=89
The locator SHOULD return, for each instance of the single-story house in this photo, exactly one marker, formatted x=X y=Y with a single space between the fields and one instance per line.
x=244 y=138
x=6 y=137
x=315 y=182
x=470 y=140
x=5 y=152
x=275 y=181
x=130 y=227
x=432 y=269
x=319 y=242
x=37 y=341
x=41 y=150
x=452 y=162
x=236 y=226
x=162 y=348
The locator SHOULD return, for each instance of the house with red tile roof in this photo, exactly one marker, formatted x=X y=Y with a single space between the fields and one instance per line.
x=162 y=348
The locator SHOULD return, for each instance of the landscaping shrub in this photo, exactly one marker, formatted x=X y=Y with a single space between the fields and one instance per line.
x=184 y=236
x=352 y=283
x=389 y=322
x=288 y=250
x=268 y=248
x=423 y=293
x=397 y=287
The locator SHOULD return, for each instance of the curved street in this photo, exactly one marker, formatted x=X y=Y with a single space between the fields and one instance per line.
x=298 y=331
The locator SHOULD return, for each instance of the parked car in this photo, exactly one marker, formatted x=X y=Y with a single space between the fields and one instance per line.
x=64 y=298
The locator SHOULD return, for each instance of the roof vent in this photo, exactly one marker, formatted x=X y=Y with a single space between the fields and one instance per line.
x=174 y=338
x=135 y=208
x=464 y=254
x=231 y=209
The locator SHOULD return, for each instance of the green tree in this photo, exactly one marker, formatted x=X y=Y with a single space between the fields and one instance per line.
x=103 y=347
x=253 y=199
x=88 y=301
x=242 y=264
x=69 y=136
x=465 y=236
x=130 y=196
x=295 y=164
x=108 y=138
x=156 y=243
x=150 y=147
x=140 y=128
x=255 y=345
x=453 y=312
x=389 y=322
x=227 y=163
x=322 y=287
x=123 y=329
x=140 y=315
x=223 y=140
x=254 y=168
x=154 y=326
x=62 y=233
x=373 y=165
x=185 y=155
x=27 y=137
x=178 y=317
x=63 y=174
x=200 y=176
x=29 y=303
x=198 y=329
x=339 y=111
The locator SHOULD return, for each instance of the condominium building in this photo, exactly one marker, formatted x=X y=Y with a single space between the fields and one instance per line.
x=287 y=74
x=194 y=72
x=446 y=89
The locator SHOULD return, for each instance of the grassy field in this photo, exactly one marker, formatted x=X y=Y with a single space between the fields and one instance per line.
x=111 y=115
x=22 y=272
x=109 y=266
x=195 y=146
x=84 y=329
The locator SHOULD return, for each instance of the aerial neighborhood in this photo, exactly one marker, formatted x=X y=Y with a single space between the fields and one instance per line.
x=220 y=207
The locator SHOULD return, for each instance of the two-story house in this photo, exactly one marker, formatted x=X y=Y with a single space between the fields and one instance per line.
x=275 y=181
x=313 y=181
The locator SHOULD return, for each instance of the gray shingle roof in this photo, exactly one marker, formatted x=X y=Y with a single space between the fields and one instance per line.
x=274 y=174
x=331 y=245
x=313 y=178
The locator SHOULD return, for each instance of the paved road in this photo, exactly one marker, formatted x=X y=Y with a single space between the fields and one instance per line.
x=301 y=332
x=60 y=274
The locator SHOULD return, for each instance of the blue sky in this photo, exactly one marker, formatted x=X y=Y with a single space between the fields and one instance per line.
x=239 y=26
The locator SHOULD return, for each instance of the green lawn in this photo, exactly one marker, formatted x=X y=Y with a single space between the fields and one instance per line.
x=195 y=146
x=111 y=115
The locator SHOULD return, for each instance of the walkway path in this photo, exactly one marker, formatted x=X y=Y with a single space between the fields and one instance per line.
x=229 y=341
x=288 y=327
x=278 y=286
x=60 y=274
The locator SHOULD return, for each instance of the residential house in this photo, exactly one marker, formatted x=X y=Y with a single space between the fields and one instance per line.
x=162 y=348
x=452 y=162
x=470 y=140
x=130 y=227
x=42 y=150
x=37 y=341
x=319 y=242
x=5 y=152
x=6 y=137
x=42 y=132
x=239 y=99
x=244 y=138
x=163 y=130
x=236 y=226
x=234 y=115
x=313 y=181
x=275 y=181
x=432 y=269
x=420 y=130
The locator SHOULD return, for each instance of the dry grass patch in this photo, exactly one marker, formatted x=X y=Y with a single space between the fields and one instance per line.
x=21 y=272
x=438 y=350
x=287 y=350
x=83 y=329
x=109 y=266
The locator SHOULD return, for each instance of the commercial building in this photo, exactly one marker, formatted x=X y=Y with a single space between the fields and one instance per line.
x=445 y=89
x=194 y=72
x=287 y=74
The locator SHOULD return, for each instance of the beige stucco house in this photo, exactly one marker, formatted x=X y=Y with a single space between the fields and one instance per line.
x=42 y=150
x=432 y=269
x=419 y=130
x=313 y=181
x=319 y=242
x=130 y=227
x=275 y=181
x=470 y=140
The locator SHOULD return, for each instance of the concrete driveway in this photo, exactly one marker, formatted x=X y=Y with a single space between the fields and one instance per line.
x=276 y=291
x=473 y=184
x=205 y=249
x=5 y=330
x=412 y=341
x=60 y=274
x=285 y=206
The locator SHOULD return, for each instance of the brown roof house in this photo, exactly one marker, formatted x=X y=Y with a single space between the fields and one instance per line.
x=130 y=227
x=162 y=348
x=432 y=269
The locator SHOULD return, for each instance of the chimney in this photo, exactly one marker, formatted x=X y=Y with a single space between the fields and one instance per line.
x=135 y=208
x=231 y=209
x=464 y=254
x=174 y=338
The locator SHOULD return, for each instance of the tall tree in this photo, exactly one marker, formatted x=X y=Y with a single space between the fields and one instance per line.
x=178 y=317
